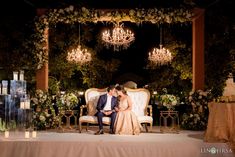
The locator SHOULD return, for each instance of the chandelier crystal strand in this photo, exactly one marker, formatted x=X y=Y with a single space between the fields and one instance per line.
x=160 y=56
x=118 y=37
x=79 y=55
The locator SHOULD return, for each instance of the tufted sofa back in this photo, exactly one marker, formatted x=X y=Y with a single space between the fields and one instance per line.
x=140 y=100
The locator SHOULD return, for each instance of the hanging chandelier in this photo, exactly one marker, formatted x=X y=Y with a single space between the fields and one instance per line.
x=118 y=37
x=160 y=56
x=79 y=55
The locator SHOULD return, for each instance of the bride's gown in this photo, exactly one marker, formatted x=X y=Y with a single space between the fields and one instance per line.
x=126 y=121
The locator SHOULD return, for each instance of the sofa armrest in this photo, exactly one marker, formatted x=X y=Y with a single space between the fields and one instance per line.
x=81 y=109
x=149 y=110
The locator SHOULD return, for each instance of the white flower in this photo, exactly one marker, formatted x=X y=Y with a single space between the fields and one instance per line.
x=42 y=118
x=35 y=101
x=191 y=93
x=174 y=102
x=71 y=7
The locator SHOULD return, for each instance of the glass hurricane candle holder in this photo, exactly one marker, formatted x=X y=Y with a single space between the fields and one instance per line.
x=15 y=75
x=21 y=75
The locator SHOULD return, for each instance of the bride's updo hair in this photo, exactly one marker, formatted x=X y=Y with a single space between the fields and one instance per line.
x=121 y=88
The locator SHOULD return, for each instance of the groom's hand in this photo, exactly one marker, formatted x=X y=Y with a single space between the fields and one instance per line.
x=107 y=112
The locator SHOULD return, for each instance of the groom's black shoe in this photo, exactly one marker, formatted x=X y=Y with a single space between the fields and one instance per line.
x=111 y=131
x=99 y=132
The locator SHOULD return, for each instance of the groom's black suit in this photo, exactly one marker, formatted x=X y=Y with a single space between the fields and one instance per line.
x=100 y=106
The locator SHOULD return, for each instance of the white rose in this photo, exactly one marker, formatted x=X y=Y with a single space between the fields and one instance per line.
x=174 y=103
x=191 y=93
x=42 y=118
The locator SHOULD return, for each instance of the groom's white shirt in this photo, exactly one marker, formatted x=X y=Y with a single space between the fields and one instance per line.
x=108 y=103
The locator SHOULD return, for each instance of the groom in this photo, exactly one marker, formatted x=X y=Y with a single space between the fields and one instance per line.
x=106 y=107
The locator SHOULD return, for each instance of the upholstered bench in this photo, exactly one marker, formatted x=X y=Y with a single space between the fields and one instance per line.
x=140 y=99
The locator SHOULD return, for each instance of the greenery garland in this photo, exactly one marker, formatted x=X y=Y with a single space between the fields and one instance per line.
x=71 y=15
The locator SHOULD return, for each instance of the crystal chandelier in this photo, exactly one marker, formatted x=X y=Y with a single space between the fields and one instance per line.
x=160 y=56
x=79 y=55
x=118 y=37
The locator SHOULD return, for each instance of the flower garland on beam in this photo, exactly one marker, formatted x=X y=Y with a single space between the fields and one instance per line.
x=71 y=15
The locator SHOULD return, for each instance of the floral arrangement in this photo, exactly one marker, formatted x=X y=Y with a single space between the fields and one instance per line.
x=67 y=101
x=83 y=15
x=41 y=99
x=197 y=118
x=168 y=101
x=194 y=121
x=3 y=126
x=44 y=113
x=6 y=126
x=199 y=100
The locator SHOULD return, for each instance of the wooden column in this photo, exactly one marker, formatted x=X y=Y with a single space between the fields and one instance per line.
x=198 y=49
x=42 y=74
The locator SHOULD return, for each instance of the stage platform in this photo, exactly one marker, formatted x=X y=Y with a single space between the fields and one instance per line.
x=52 y=143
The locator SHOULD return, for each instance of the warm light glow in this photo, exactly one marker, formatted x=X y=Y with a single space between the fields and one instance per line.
x=79 y=55
x=118 y=37
x=160 y=56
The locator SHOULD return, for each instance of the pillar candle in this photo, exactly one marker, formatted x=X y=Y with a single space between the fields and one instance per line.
x=26 y=135
x=34 y=134
x=7 y=134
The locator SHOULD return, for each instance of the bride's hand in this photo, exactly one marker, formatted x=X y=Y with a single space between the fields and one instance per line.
x=116 y=109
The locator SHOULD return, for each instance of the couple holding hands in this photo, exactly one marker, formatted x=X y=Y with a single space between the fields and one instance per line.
x=123 y=120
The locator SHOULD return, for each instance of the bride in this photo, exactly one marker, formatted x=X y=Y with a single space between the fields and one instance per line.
x=126 y=122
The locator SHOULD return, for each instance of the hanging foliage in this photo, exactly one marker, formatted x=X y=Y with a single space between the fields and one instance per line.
x=71 y=15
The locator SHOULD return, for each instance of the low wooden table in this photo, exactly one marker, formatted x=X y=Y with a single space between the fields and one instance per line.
x=169 y=121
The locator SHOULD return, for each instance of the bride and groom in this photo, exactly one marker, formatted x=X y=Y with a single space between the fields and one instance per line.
x=123 y=120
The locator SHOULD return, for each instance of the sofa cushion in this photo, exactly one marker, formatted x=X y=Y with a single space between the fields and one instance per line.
x=145 y=119
x=91 y=107
x=93 y=119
